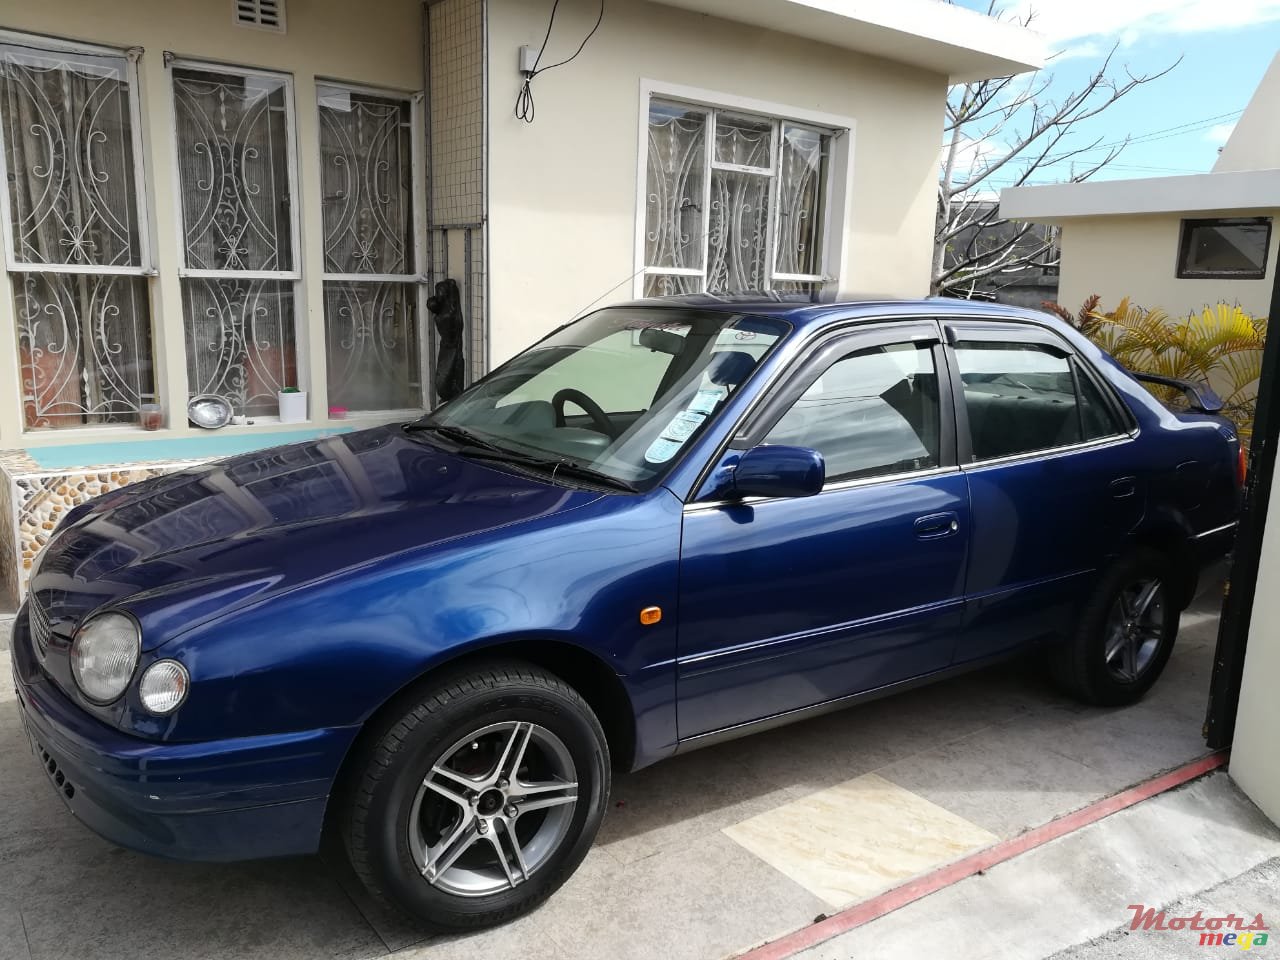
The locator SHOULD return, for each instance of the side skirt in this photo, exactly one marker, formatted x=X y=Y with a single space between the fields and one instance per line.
x=724 y=734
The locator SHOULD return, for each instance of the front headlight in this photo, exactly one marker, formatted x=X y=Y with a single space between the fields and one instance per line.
x=164 y=686
x=104 y=654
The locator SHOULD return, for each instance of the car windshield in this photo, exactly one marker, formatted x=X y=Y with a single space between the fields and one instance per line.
x=619 y=393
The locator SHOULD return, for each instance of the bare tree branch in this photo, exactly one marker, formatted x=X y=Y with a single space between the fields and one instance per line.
x=1002 y=132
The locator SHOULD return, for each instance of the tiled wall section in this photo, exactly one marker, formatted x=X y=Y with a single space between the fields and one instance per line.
x=455 y=32
x=34 y=500
x=457 y=144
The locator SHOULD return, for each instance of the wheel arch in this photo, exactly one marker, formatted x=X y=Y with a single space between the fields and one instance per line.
x=1170 y=536
x=594 y=680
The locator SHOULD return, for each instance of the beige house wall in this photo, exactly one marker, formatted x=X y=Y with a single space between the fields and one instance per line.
x=1137 y=257
x=375 y=43
x=563 y=199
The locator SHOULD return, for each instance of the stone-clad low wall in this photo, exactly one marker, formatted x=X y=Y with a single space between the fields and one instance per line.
x=34 y=499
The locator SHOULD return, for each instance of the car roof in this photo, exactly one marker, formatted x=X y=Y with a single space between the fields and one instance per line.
x=804 y=310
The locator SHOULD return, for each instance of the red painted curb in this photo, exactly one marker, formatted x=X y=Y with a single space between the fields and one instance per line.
x=922 y=886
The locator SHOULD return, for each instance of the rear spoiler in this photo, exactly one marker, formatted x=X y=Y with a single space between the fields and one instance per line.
x=1200 y=396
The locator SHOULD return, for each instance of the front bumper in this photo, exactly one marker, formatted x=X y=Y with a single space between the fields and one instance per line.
x=238 y=799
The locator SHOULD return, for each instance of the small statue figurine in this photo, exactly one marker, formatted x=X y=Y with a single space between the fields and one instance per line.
x=446 y=306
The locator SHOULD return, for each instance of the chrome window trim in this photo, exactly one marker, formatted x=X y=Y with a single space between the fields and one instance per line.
x=828 y=488
x=1048 y=452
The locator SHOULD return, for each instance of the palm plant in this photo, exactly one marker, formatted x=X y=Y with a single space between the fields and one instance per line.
x=1220 y=345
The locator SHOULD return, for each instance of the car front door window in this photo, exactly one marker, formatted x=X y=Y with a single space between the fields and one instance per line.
x=871 y=413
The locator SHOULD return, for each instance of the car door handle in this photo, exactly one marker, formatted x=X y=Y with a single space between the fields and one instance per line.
x=1124 y=487
x=937 y=525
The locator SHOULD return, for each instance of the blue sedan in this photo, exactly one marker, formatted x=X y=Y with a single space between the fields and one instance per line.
x=666 y=524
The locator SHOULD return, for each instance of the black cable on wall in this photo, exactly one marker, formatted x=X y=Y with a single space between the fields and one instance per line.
x=525 y=109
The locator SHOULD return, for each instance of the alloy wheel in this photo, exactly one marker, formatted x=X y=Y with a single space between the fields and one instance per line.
x=493 y=809
x=1135 y=629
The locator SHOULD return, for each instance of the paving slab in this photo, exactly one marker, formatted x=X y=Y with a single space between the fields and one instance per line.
x=852 y=841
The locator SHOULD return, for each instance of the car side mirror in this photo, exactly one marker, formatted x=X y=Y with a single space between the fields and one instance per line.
x=774 y=470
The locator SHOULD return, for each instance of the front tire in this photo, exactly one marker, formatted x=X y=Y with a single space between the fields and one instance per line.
x=1125 y=633
x=479 y=801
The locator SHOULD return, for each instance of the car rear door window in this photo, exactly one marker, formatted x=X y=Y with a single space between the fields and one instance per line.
x=873 y=412
x=1026 y=397
x=1097 y=416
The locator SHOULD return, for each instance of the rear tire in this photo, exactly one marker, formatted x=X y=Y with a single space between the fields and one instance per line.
x=476 y=804
x=1125 y=633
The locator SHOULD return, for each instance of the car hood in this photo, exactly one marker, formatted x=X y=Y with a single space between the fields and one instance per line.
x=182 y=548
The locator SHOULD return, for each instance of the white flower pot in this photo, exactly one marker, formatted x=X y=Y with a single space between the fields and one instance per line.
x=293 y=407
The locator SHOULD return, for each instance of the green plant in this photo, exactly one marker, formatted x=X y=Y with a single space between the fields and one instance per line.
x=1220 y=345
x=1084 y=320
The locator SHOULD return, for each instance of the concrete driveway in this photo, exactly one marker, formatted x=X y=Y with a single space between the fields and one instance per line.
x=700 y=857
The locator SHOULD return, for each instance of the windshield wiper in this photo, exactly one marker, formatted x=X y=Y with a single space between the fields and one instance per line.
x=478 y=448
x=559 y=466
x=456 y=434
x=582 y=471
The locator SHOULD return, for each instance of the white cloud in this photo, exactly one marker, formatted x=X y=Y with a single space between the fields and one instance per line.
x=1219 y=133
x=1086 y=48
x=971 y=157
x=1079 y=23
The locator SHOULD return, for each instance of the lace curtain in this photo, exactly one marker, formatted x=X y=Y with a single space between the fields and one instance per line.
x=80 y=300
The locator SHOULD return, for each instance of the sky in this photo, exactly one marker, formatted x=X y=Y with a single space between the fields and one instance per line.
x=1180 y=119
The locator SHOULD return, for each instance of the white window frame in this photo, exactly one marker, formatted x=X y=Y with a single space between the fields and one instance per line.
x=146 y=267
x=838 y=191
x=418 y=278
x=295 y=200
x=143 y=212
x=301 y=342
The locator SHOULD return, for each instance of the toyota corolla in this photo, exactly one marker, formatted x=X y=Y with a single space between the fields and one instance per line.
x=665 y=524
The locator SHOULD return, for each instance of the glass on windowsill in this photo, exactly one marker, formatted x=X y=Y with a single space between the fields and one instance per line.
x=151 y=416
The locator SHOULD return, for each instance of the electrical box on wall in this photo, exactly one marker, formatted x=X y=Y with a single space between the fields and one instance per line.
x=528 y=58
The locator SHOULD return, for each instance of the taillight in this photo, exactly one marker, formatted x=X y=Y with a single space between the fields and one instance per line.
x=1242 y=465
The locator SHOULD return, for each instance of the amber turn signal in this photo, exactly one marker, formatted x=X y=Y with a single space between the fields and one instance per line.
x=650 y=615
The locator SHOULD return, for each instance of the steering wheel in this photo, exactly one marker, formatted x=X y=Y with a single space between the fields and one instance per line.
x=598 y=417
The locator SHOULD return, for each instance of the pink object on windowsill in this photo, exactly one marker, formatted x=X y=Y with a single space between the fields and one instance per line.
x=337 y=413
x=151 y=416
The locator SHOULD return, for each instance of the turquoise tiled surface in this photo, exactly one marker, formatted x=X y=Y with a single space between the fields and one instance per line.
x=185 y=448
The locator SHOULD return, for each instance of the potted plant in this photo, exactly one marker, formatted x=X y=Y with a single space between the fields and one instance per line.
x=293 y=405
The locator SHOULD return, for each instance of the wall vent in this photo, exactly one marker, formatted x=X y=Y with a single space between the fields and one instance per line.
x=262 y=14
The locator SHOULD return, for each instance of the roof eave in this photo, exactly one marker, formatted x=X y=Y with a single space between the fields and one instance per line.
x=1241 y=191
x=950 y=40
